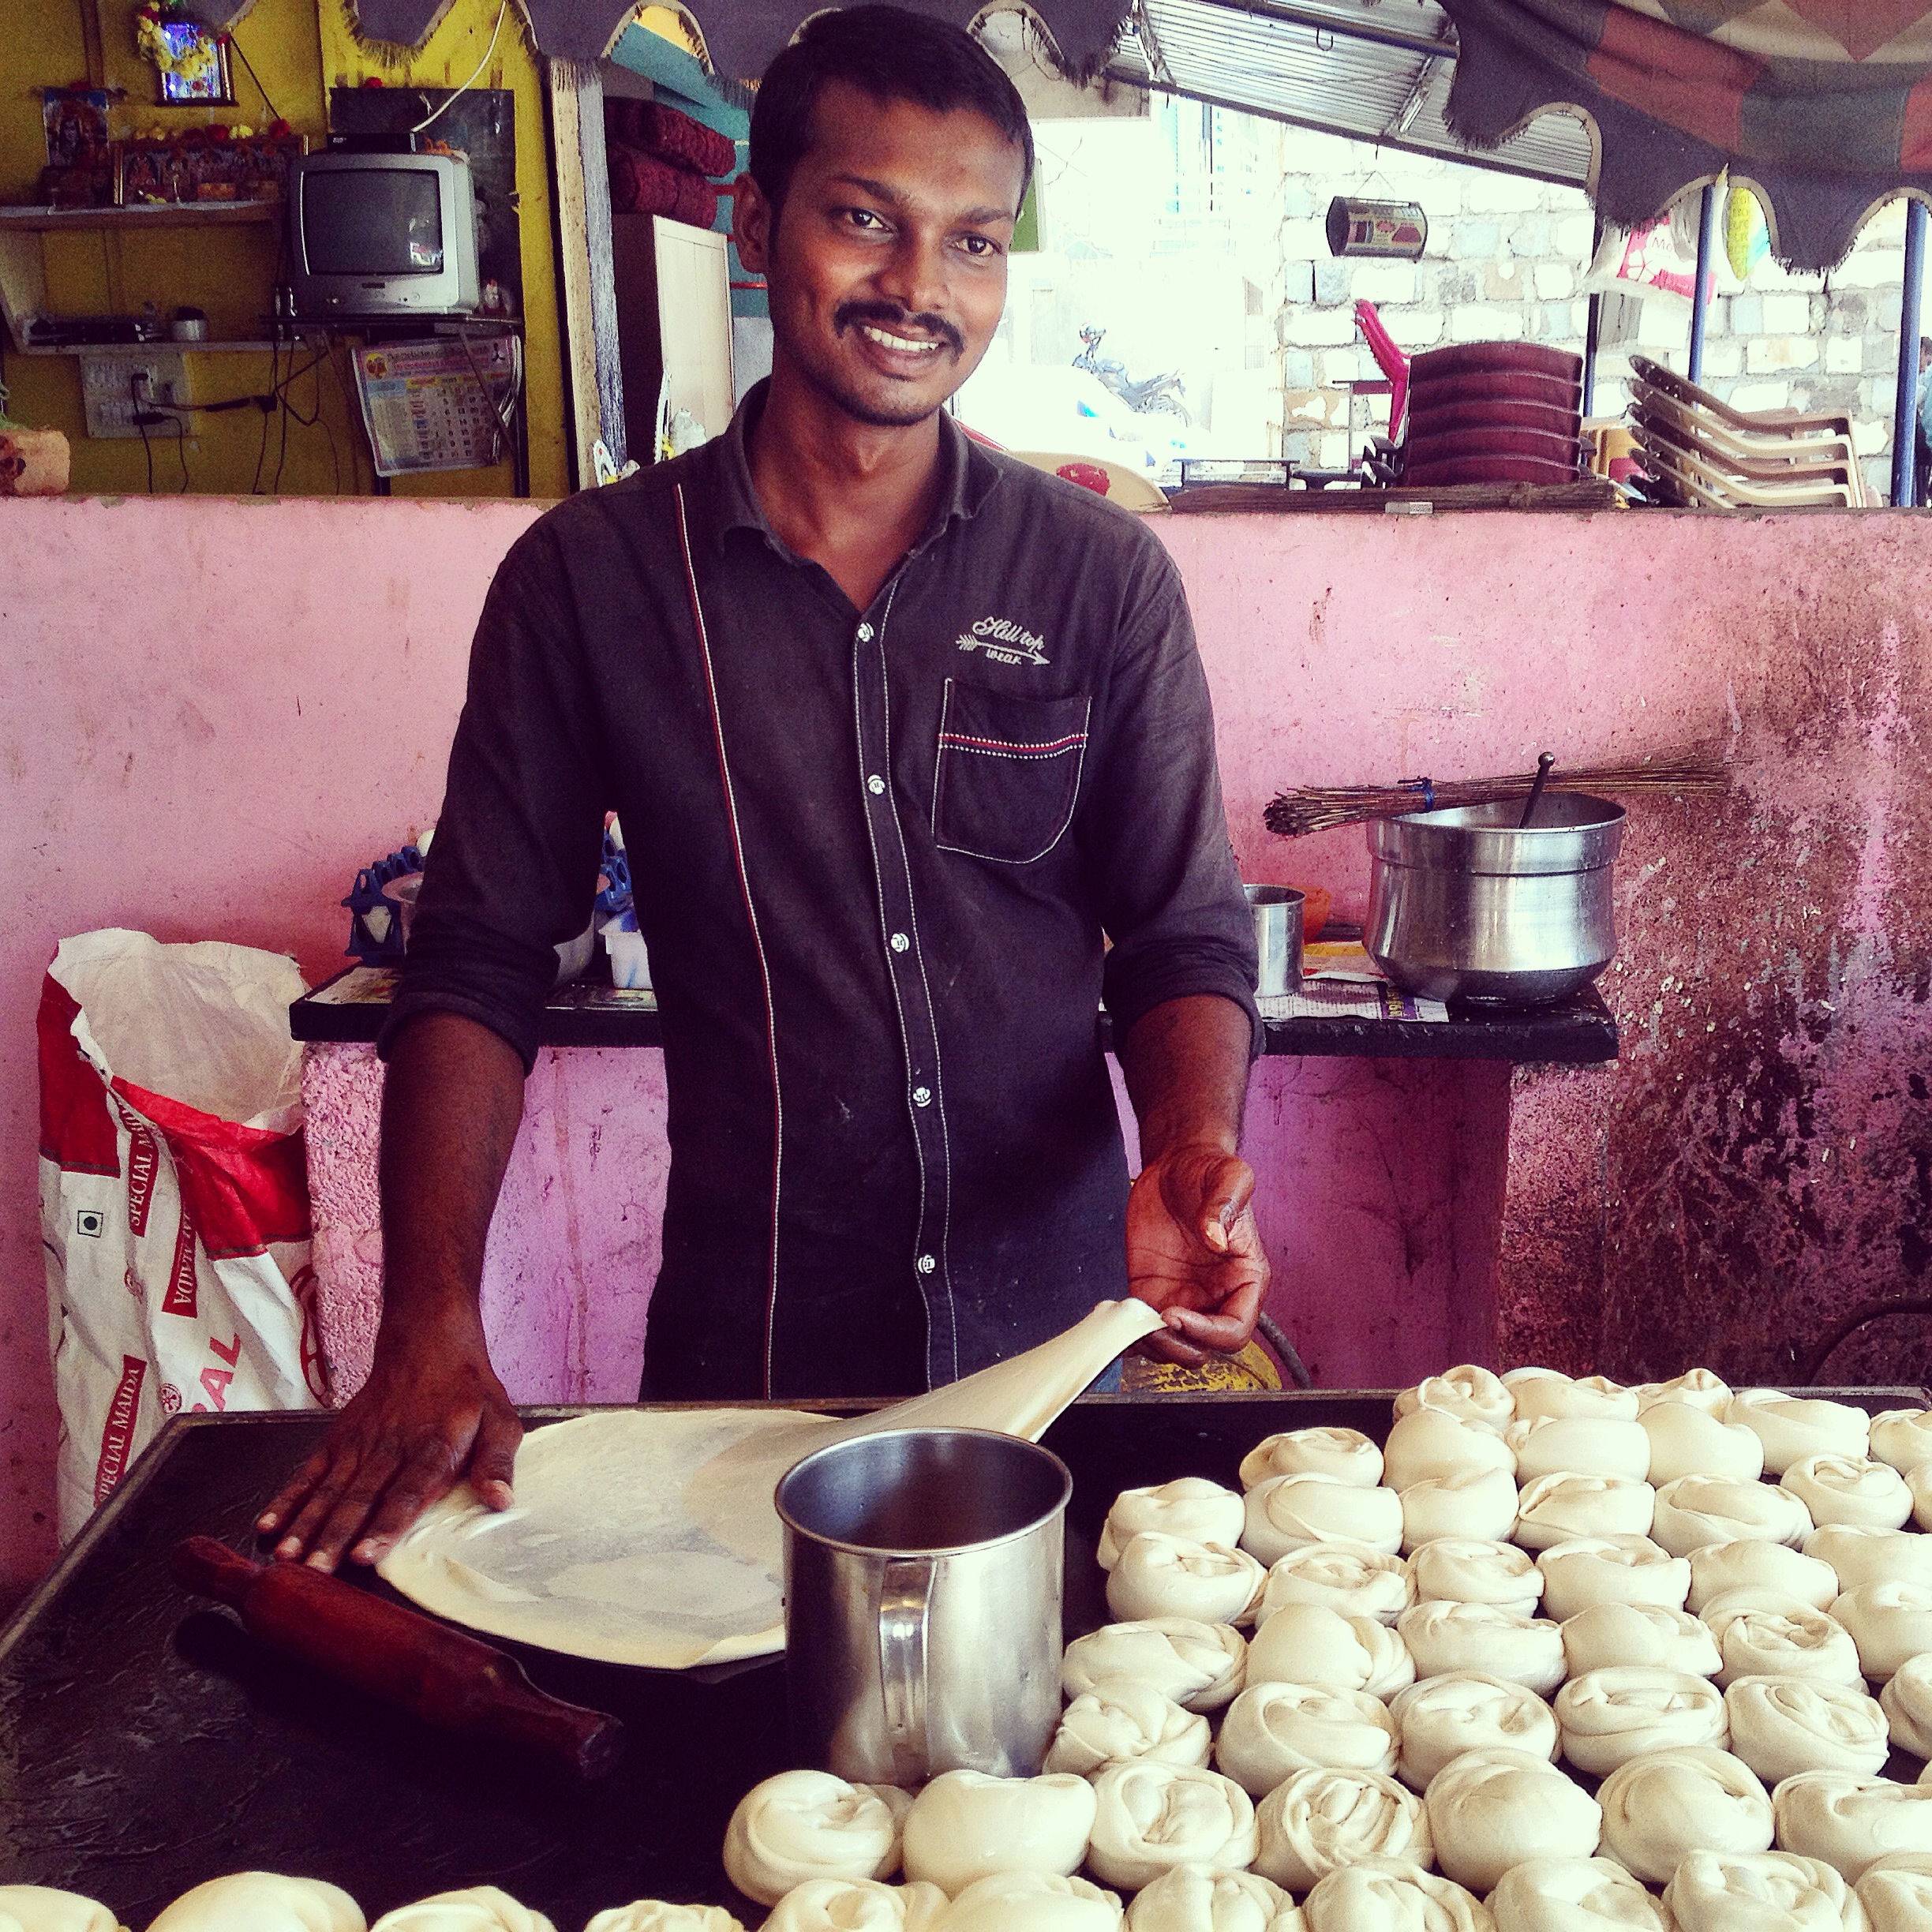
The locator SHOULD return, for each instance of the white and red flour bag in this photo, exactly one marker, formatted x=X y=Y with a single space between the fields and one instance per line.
x=174 y=1196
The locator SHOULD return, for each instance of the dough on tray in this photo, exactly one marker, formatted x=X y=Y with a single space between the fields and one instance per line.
x=968 y=1825
x=1430 y=1443
x=45 y=1908
x=1859 y=1555
x=1315 y=1821
x=1610 y=1569
x=1150 y=1817
x=1906 y=1701
x=1698 y=1387
x=1189 y=1505
x=1849 y=1820
x=1696 y=1509
x=1489 y=1809
x=801 y=1825
x=474 y=1908
x=1032 y=1902
x=1444 y=1637
x=1781 y=1726
x=1760 y=1892
x=1779 y=1639
x=1305 y=1643
x=1609 y=1717
x=1689 y=1441
x=1349 y=1578
x=1653 y=1634
x=1850 y=1489
x=1902 y=1437
x=1197 y=1898
x=1896 y=1893
x=1658 y=1807
x=1554 y=1508
x=1751 y=1563
x=1470 y=1394
x=1442 y=1716
x=1119 y=1719
x=1477 y=1570
x=1547 y=1392
x=1345 y=1454
x=1385 y=1895
x=1580 y=1446
x=1158 y=1574
x=1200 y=1665
x=1791 y=1427
x=1890 y=1623
x=827 y=1905
x=258 y=1901
x=1479 y=1503
x=1287 y=1511
x=1272 y=1729
x=1574 y=1895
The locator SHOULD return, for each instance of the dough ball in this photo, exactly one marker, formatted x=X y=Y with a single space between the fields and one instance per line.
x=1907 y=1699
x=475 y=1908
x=1791 y=1427
x=968 y=1825
x=1445 y=1637
x=1902 y=1437
x=1890 y=1623
x=1654 y=1635
x=1779 y=1638
x=1696 y=1509
x=1442 y=1716
x=1428 y=1444
x=1474 y=1570
x=256 y=1901
x=1751 y=1563
x=802 y=1825
x=1033 y=1902
x=1657 y=1808
x=822 y=1905
x=1781 y=1726
x=42 y=1908
x=1919 y=1480
x=1304 y=1643
x=1468 y=1392
x=1345 y=1454
x=1896 y=1892
x=1688 y=1441
x=1272 y=1729
x=1190 y=1507
x=1196 y=1898
x=1200 y=1665
x=1579 y=1445
x=1554 y=1508
x=1850 y=1489
x=1479 y=1503
x=1119 y=1719
x=1350 y=1577
x=1315 y=1821
x=1609 y=1716
x=1385 y=1895
x=659 y=1915
x=1492 y=1809
x=1151 y=1817
x=1287 y=1511
x=1859 y=1555
x=1612 y=1568
x=1159 y=1574
x=1696 y=1388
x=1544 y=1392
x=1849 y=1820
x=1572 y=1894
x=1759 y=1892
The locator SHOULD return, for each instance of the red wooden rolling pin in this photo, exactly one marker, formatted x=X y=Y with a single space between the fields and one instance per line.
x=455 y=1683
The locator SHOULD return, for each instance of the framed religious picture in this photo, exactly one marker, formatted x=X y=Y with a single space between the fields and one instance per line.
x=190 y=60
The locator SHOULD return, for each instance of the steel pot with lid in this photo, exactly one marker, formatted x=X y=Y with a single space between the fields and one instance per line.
x=1469 y=905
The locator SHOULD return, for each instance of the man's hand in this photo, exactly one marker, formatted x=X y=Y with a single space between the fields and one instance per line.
x=1193 y=1252
x=428 y=1416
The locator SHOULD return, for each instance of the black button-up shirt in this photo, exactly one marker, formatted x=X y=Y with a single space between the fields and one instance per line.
x=874 y=854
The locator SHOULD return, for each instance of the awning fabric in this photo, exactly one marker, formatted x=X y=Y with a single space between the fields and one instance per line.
x=1823 y=106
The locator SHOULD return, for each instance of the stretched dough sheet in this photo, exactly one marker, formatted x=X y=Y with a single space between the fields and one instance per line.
x=649 y=1537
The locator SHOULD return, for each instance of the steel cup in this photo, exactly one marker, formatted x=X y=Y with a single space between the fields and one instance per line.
x=1277 y=911
x=922 y=1582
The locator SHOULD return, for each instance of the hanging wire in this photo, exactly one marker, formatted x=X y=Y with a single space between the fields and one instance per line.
x=235 y=46
x=436 y=113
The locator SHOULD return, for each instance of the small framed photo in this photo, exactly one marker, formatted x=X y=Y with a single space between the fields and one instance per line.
x=191 y=65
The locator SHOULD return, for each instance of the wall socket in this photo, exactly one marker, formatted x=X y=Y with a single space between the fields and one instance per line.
x=111 y=384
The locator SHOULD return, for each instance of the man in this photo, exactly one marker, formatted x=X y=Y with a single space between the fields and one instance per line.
x=897 y=729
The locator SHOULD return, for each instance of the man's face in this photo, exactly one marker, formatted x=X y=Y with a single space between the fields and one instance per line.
x=887 y=269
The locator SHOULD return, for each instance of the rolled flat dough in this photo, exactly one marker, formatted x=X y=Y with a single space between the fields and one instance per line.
x=648 y=1536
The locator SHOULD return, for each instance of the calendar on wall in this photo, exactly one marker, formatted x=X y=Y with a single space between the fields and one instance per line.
x=437 y=405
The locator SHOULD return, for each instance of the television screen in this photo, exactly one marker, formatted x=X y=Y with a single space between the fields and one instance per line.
x=371 y=221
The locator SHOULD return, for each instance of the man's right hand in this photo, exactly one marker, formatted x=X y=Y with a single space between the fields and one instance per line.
x=432 y=1413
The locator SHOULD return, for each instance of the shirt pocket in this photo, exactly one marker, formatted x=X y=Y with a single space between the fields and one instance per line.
x=1008 y=773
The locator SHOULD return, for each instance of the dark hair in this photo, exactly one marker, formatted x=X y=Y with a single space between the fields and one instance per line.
x=891 y=53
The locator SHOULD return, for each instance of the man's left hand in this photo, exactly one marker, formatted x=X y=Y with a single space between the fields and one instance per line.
x=1194 y=1253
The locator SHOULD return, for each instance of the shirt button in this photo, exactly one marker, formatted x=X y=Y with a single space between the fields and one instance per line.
x=922 y=1096
x=875 y=785
x=926 y=1264
x=865 y=634
x=900 y=942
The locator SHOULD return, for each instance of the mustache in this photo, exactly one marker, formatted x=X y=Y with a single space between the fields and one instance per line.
x=890 y=316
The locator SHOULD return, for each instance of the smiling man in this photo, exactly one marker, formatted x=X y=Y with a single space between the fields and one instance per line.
x=901 y=732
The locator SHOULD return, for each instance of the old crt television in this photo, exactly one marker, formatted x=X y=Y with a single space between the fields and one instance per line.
x=380 y=234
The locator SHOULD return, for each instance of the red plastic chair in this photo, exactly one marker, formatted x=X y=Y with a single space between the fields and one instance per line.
x=1389 y=359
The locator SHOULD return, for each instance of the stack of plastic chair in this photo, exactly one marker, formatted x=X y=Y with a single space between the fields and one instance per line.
x=1496 y=412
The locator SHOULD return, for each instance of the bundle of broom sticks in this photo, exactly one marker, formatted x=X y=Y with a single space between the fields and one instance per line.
x=1319 y=808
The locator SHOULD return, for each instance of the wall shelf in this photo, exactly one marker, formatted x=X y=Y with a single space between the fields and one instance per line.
x=140 y=215
x=167 y=346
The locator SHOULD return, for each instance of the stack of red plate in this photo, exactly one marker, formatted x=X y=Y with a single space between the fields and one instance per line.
x=1493 y=412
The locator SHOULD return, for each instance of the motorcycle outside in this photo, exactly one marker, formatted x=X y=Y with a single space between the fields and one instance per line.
x=1153 y=395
